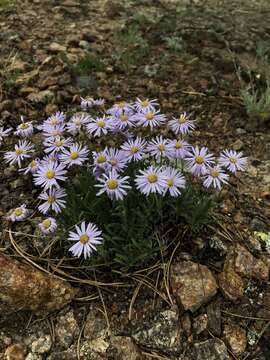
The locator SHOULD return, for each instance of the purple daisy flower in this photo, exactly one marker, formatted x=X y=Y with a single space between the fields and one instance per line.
x=87 y=236
x=47 y=226
x=233 y=160
x=89 y=102
x=53 y=131
x=77 y=121
x=117 y=159
x=198 y=160
x=114 y=185
x=56 y=144
x=56 y=119
x=98 y=127
x=174 y=181
x=158 y=147
x=122 y=121
x=182 y=125
x=19 y=214
x=145 y=105
x=32 y=167
x=149 y=119
x=25 y=129
x=119 y=108
x=53 y=200
x=178 y=149
x=4 y=133
x=48 y=175
x=52 y=158
x=134 y=149
x=75 y=155
x=22 y=150
x=100 y=158
x=215 y=177
x=151 y=180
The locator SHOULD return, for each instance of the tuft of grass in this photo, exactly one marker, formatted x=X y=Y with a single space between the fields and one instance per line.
x=10 y=78
x=175 y=43
x=6 y=3
x=87 y=65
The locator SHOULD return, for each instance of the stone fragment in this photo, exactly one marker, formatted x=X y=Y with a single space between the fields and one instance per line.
x=200 y=323
x=213 y=349
x=231 y=284
x=235 y=337
x=192 y=284
x=42 y=345
x=66 y=329
x=124 y=348
x=15 y=352
x=26 y=288
x=41 y=97
x=32 y=356
x=55 y=47
x=214 y=318
x=95 y=325
x=113 y=8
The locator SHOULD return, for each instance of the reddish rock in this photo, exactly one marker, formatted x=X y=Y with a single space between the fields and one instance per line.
x=236 y=338
x=15 y=352
x=192 y=284
x=231 y=284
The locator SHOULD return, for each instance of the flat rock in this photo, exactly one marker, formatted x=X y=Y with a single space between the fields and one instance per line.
x=66 y=329
x=124 y=348
x=213 y=349
x=231 y=284
x=192 y=284
x=55 y=47
x=235 y=337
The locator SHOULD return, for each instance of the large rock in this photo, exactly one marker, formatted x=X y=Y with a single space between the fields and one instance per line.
x=231 y=284
x=192 y=284
x=23 y=287
x=236 y=338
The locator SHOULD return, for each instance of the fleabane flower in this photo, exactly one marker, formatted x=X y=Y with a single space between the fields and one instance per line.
x=134 y=149
x=24 y=129
x=119 y=108
x=56 y=144
x=198 y=160
x=53 y=131
x=158 y=147
x=49 y=174
x=149 y=119
x=4 y=133
x=19 y=214
x=99 y=126
x=53 y=199
x=76 y=154
x=117 y=159
x=145 y=105
x=21 y=151
x=77 y=121
x=233 y=160
x=216 y=177
x=174 y=180
x=151 y=180
x=100 y=158
x=50 y=159
x=89 y=102
x=47 y=226
x=32 y=167
x=56 y=119
x=178 y=148
x=87 y=236
x=123 y=120
x=182 y=124
x=115 y=186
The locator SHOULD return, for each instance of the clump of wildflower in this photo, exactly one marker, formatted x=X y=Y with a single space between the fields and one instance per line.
x=215 y=177
x=48 y=226
x=53 y=200
x=174 y=181
x=21 y=151
x=4 y=133
x=151 y=180
x=87 y=236
x=19 y=214
x=182 y=124
x=198 y=160
x=233 y=160
x=115 y=186
x=49 y=174
x=76 y=154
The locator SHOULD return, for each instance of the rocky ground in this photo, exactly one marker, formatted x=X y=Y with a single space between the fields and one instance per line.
x=212 y=301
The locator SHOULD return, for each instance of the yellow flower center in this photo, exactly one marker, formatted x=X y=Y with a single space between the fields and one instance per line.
x=214 y=173
x=58 y=143
x=149 y=116
x=18 y=152
x=113 y=162
x=55 y=133
x=18 y=211
x=50 y=174
x=74 y=155
x=77 y=122
x=101 y=159
x=169 y=182
x=144 y=103
x=84 y=238
x=46 y=223
x=51 y=199
x=24 y=126
x=178 y=145
x=54 y=122
x=101 y=123
x=124 y=117
x=199 y=159
x=112 y=184
x=233 y=160
x=134 y=149
x=182 y=119
x=152 y=178
x=121 y=104
x=161 y=147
